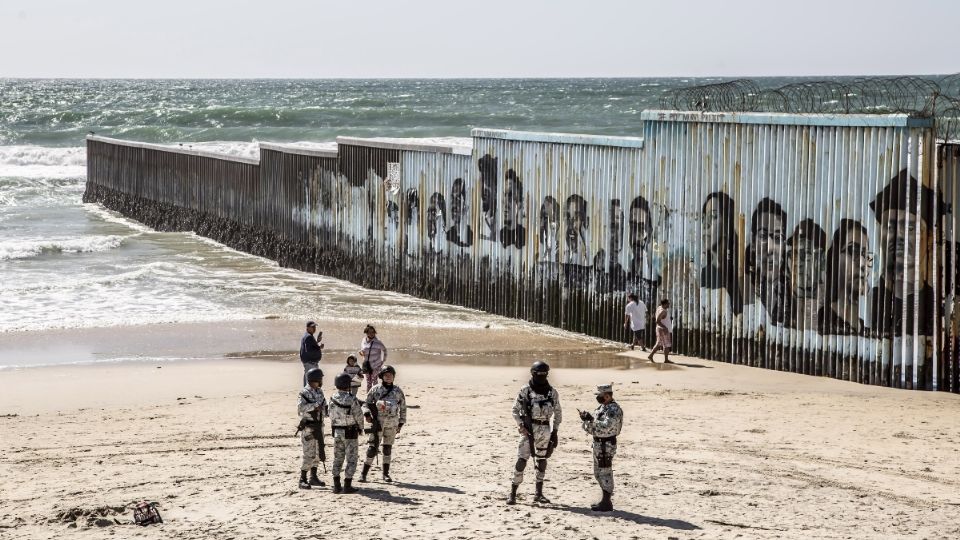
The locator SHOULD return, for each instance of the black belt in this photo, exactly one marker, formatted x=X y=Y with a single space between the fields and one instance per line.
x=606 y=439
x=344 y=427
x=541 y=422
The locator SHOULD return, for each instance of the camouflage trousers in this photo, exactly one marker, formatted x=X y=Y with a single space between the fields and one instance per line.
x=388 y=433
x=541 y=440
x=344 y=448
x=311 y=449
x=603 y=453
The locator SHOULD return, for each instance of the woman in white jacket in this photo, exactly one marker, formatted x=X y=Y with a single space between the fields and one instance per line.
x=374 y=354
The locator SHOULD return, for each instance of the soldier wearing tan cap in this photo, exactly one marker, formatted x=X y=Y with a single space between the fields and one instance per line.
x=604 y=424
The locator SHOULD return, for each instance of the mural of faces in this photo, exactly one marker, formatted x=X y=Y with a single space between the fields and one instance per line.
x=435 y=215
x=721 y=255
x=849 y=261
x=616 y=229
x=768 y=230
x=460 y=231
x=577 y=223
x=805 y=256
x=641 y=234
x=905 y=212
x=489 y=179
x=513 y=232
x=549 y=229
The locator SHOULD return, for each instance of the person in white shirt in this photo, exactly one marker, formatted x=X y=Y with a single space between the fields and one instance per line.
x=635 y=320
x=664 y=332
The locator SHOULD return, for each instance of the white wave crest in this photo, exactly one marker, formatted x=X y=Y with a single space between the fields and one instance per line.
x=43 y=162
x=25 y=248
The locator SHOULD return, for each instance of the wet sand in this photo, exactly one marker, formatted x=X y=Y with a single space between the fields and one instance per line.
x=709 y=450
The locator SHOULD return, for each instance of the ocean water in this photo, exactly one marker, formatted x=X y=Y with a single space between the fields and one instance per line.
x=67 y=264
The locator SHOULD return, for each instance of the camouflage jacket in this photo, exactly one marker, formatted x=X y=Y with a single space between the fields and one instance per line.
x=389 y=403
x=607 y=421
x=542 y=407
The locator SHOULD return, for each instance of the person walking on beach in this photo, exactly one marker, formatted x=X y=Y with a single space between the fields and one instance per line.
x=346 y=422
x=312 y=407
x=311 y=349
x=635 y=320
x=664 y=332
x=386 y=409
x=536 y=404
x=374 y=354
x=604 y=424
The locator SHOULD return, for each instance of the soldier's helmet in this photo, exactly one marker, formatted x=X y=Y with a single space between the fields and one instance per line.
x=539 y=367
x=387 y=369
x=342 y=381
x=315 y=375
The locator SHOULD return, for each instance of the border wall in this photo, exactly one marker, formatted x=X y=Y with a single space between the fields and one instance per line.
x=816 y=244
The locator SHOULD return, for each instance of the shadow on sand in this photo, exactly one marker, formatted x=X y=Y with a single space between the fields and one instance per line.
x=423 y=487
x=386 y=496
x=639 y=519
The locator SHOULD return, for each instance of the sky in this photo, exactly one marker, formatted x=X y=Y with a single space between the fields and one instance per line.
x=486 y=38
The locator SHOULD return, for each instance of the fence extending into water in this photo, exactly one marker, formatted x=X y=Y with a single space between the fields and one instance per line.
x=817 y=244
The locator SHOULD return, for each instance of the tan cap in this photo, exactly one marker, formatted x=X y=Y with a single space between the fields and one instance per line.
x=604 y=388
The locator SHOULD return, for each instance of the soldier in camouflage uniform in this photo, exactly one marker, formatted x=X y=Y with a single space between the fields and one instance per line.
x=346 y=421
x=604 y=424
x=312 y=407
x=536 y=404
x=385 y=408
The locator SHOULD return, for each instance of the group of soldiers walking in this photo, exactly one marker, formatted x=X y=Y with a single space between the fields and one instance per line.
x=537 y=412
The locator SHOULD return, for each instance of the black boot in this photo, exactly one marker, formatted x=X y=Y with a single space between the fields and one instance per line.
x=336 y=485
x=314 y=480
x=539 y=498
x=605 y=504
x=363 y=474
x=304 y=484
x=348 y=486
x=386 y=473
x=513 y=494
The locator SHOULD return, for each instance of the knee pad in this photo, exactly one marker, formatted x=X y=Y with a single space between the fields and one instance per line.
x=371 y=452
x=605 y=462
x=387 y=449
x=541 y=465
x=521 y=464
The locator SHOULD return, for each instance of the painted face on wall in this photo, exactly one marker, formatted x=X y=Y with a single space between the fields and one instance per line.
x=712 y=226
x=616 y=227
x=434 y=215
x=855 y=262
x=457 y=199
x=513 y=199
x=898 y=236
x=576 y=221
x=641 y=229
x=768 y=242
x=805 y=263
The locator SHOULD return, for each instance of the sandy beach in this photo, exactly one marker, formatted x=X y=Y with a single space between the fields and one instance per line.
x=708 y=450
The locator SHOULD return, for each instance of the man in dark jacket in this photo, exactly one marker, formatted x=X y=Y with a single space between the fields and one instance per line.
x=311 y=350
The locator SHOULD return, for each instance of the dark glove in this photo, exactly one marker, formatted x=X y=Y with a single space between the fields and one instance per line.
x=585 y=416
x=554 y=440
x=399 y=426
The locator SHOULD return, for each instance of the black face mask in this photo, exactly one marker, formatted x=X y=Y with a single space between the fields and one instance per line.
x=539 y=383
x=600 y=399
x=387 y=385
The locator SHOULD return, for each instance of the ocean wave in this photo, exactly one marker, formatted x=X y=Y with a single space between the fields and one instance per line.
x=33 y=247
x=43 y=162
x=38 y=191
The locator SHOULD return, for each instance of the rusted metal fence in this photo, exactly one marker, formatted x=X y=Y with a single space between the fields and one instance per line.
x=817 y=244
